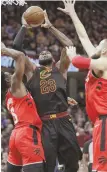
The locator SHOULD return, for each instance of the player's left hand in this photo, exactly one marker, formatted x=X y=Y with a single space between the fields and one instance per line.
x=24 y=23
x=69 y=6
x=71 y=101
x=47 y=23
x=3 y=47
x=71 y=52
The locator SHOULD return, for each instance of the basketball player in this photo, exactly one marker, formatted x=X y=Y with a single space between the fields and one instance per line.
x=25 y=147
x=47 y=85
x=96 y=87
x=96 y=101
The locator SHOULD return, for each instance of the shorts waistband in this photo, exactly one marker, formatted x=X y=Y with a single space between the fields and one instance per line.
x=55 y=116
x=102 y=116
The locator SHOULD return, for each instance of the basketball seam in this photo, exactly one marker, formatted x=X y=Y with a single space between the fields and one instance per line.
x=31 y=15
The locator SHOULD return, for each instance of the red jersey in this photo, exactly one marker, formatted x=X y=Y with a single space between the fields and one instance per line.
x=23 y=110
x=96 y=96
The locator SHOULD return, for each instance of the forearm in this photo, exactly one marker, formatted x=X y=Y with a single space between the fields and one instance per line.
x=82 y=34
x=64 y=61
x=18 y=41
x=13 y=53
x=78 y=25
x=65 y=41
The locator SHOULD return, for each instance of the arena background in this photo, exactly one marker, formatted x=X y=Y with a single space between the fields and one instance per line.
x=94 y=17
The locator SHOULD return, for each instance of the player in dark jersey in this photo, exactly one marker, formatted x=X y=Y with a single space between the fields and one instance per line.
x=25 y=147
x=47 y=85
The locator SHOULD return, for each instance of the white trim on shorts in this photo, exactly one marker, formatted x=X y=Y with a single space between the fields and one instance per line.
x=40 y=162
x=13 y=164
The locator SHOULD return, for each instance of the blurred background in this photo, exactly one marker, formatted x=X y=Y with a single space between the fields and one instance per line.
x=94 y=17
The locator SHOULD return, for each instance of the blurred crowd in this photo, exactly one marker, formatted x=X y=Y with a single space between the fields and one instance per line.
x=92 y=14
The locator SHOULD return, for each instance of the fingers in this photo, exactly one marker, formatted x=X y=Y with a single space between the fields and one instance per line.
x=45 y=14
x=42 y=25
x=73 y=2
x=64 y=1
x=71 y=101
x=61 y=9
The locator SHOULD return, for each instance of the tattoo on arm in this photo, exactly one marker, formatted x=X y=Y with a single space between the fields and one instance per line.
x=61 y=37
x=64 y=62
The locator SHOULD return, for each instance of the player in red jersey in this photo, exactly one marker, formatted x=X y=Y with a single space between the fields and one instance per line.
x=25 y=147
x=96 y=101
x=96 y=87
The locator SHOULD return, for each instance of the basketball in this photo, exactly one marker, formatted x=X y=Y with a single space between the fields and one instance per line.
x=34 y=15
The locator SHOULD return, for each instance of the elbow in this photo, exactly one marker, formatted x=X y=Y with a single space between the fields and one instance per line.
x=21 y=56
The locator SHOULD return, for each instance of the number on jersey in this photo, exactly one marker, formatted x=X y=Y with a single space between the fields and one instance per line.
x=11 y=109
x=47 y=86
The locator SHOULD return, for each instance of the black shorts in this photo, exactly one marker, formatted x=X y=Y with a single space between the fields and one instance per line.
x=29 y=168
x=90 y=167
x=59 y=140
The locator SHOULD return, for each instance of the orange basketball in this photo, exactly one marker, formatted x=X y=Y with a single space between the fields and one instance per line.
x=34 y=15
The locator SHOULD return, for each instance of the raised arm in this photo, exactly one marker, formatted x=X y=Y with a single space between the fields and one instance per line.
x=80 y=29
x=65 y=41
x=18 y=45
x=64 y=62
x=19 y=57
x=99 y=64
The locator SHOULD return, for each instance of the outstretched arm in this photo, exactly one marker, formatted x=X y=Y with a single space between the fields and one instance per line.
x=64 y=62
x=81 y=62
x=18 y=45
x=69 y=9
x=19 y=58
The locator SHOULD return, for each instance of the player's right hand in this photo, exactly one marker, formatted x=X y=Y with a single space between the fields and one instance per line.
x=69 y=6
x=3 y=47
x=71 y=52
x=47 y=23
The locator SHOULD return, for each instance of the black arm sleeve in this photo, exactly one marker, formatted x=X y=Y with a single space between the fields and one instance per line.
x=18 y=41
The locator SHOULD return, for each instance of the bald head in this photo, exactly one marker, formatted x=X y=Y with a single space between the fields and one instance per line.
x=102 y=47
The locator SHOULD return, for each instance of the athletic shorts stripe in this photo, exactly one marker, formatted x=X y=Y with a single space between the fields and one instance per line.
x=40 y=162
x=103 y=133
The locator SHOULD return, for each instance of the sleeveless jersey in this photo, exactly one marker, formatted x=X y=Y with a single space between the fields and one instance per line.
x=48 y=89
x=23 y=110
x=96 y=96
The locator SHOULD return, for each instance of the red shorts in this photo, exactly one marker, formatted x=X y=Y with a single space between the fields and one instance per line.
x=25 y=146
x=100 y=145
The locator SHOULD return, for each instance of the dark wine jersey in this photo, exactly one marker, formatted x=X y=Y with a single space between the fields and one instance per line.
x=48 y=89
